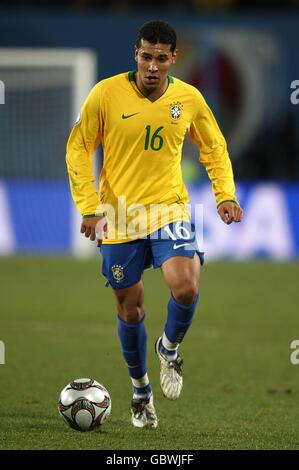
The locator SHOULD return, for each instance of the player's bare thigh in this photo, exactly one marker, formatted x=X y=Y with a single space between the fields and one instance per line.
x=129 y=302
x=182 y=277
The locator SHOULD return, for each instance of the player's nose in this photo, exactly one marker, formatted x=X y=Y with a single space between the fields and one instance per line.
x=152 y=67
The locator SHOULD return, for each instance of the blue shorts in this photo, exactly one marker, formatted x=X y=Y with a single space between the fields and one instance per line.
x=124 y=263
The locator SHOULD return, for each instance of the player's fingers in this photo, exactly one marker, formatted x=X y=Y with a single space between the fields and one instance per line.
x=83 y=228
x=220 y=213
x=238 y=214
x=229 y=214
x=87 y=232
x=235 y=213
x=92 y=235
x=99 y=243
x=223 y=214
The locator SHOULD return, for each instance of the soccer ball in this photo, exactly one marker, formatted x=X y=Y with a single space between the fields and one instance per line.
x=84 y=404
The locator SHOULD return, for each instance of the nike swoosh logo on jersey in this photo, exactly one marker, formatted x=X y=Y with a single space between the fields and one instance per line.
x=128 y=115
x=175 y=246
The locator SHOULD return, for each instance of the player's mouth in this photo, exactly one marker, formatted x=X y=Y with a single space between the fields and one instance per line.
x=152 y=80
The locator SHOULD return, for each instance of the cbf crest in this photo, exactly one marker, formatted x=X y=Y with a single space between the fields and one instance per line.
x=176 y=110
x=118 y=272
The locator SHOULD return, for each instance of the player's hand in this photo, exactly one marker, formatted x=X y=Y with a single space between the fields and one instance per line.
x=94 y=228
x=230 y=212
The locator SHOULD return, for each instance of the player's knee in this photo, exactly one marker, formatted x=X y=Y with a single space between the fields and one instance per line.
x=130 y=312
x=186 y=292
x=132 y=317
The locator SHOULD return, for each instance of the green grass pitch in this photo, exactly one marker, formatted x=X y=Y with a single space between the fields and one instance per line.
x=241 y=391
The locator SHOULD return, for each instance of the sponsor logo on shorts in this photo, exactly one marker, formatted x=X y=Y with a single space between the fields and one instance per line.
x=175 y=246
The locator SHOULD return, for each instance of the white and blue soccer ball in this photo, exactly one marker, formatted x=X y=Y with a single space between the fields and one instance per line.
x=84 y=404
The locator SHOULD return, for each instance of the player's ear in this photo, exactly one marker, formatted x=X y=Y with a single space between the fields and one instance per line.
x=175 y=56
x=136 y=53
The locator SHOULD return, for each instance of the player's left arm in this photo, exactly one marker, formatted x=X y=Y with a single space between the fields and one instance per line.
x=204 y=131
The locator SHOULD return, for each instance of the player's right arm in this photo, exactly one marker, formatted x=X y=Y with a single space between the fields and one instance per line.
x=82 y=143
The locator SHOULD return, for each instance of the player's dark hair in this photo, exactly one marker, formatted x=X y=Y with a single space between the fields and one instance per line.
x=157 y=32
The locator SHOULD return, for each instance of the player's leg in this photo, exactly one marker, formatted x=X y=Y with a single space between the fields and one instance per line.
x=182 y=277
x=132 y=336
x=179 y=260
x=123 y=265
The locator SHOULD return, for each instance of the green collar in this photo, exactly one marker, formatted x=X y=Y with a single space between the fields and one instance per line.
x=132 y=73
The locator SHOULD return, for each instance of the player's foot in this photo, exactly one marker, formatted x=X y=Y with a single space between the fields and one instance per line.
x=144 y=413
x=171 y=380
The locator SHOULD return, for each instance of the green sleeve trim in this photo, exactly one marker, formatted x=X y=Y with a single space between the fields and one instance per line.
x=228 y=200
x=93 y=215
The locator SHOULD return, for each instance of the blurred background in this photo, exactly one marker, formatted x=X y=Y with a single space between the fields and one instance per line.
x=241 y=55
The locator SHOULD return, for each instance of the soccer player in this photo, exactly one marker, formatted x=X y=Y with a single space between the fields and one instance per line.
x=141 y=118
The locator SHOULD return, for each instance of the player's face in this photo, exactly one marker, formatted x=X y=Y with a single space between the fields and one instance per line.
x=153 y=64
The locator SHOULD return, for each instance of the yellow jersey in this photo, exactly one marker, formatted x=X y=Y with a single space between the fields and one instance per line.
x=142 y=147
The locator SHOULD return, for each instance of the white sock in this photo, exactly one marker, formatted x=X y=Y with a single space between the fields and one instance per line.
x=168 y=350
x=141 y=387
